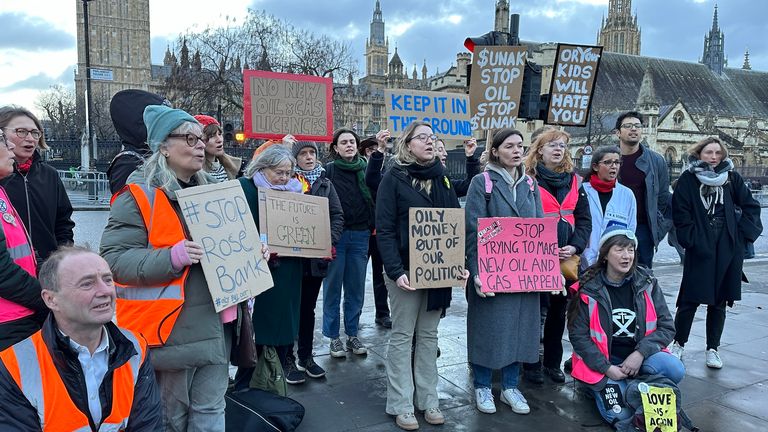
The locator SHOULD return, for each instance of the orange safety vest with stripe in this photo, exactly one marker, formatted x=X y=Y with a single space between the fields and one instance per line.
x=20 y=248
x=31 y=366
x=153 y=310
x=564 y=211
x=581 y=371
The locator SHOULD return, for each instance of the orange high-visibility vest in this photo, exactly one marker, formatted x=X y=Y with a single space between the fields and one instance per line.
x=153 y=310
x=564 y=211
x=581 y=371
x=31 y=366
x=20 y=248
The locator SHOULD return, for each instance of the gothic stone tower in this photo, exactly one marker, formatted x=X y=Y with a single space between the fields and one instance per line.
x=620 y=33
x=501 y=21
x=377 y=46
x=119 y=45
x=714 y=48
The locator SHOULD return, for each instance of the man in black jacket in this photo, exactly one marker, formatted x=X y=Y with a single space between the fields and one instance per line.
x=80 y=370
x=127 y=112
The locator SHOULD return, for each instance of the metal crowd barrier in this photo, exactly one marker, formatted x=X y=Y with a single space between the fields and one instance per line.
x=86 y=189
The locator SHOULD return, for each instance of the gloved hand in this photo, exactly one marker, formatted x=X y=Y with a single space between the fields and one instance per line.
x=185 y=253
x=478 y=285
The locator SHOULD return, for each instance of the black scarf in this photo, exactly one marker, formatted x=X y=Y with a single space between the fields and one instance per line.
x=556 y=183
x=440 y=193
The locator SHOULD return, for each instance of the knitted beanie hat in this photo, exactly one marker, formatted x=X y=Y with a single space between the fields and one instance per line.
x=297 y=146
x=615 y=230
x=206 y=120
x=161 y=121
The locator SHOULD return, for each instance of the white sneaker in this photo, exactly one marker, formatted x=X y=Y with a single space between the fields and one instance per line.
x=484 y=400
x=516 y=400
x=713 y=359
x=676 y=350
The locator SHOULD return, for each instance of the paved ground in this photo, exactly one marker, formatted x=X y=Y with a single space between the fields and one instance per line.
x=352 y=396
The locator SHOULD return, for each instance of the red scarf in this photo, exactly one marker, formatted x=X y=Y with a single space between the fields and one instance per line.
x=24 y=167
x=602 y=185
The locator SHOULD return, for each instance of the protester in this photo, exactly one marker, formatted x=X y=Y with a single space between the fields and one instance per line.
x=646 y=174
x=288 y=141
x=502 y=330
x=471 y=166
x=347 y=172
x=80 y=371
x=218 y=164
x=21 y=308
x=610 y=203
x=416 y=179
x=35 y=189
x=563 y=198
x=127 y=111
x=276 y=311
x=310 y=172
x=366 y=148
x=619 y=324
x=714 y=215
x=162 y=291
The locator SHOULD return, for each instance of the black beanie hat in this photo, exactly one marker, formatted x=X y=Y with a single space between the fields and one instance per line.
x=127 y=112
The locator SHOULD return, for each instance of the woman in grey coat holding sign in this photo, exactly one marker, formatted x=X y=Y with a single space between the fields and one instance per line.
x=502 y=329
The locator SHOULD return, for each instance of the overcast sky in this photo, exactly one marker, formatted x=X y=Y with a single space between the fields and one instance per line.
x=38 y=43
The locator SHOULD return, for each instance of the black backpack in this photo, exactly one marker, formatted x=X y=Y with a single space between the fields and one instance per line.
x=255 y=410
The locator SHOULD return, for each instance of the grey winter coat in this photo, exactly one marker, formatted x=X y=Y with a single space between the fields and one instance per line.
x=578 y=321
x=657 y=192
x=197 y=338
x=503 y=329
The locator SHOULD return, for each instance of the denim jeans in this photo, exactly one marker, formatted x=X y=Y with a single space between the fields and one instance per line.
x=348 y=269
x=509 y=376
x=662 y=363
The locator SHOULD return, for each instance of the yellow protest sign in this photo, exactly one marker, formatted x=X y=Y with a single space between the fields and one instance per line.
x=659 y=407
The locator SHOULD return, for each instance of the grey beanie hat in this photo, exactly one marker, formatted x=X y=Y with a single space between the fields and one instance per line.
x=297 y=146
x=615 y=230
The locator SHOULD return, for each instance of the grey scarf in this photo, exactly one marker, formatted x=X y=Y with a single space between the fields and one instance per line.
x=712 y=181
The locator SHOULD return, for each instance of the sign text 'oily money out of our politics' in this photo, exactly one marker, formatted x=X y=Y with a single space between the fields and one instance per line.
x=495 y=86
x=436 y=247
x=218 y=218
x=295 y=224
x=518 y=254
x=573 y=83
x=276 y=104
x=446 y=113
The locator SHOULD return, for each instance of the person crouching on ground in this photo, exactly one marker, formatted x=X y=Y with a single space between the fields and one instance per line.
x=619 y=323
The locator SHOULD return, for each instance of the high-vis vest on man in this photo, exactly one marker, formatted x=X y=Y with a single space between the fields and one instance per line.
x=31 y=366
x=20 y=249
x=153 y=310
x=581 y=371
x=553 y=209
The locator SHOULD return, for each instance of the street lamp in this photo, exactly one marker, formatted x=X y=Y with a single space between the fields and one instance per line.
x=91 y=161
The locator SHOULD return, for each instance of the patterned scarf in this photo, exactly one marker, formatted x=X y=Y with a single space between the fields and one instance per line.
x=311 y=175
x=712 y=180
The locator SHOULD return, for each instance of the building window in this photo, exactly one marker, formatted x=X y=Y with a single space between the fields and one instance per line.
x=677 y=119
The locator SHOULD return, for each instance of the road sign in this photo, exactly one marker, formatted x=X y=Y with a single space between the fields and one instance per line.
x=587 y=149
x=102 y=74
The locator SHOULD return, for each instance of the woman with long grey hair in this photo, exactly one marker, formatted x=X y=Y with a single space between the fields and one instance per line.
x=162 y=291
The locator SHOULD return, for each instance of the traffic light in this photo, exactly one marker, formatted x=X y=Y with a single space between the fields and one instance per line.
x=240 y=137
x=531 y=107
x=491 y=38
x=229 y=132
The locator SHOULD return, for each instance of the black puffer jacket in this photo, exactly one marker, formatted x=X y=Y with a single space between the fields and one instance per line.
x=43 y=205
x=17 y=414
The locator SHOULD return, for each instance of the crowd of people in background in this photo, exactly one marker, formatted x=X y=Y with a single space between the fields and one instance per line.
x=130 y=335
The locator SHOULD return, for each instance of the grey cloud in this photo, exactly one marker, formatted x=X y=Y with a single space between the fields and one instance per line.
x=23 y=32
x=42 y=81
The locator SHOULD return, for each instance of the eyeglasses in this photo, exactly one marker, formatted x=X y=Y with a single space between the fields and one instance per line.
x=22 y=133
x=631 y=125
x=191 y=138
x=556 y=145
x=610 y=163
x=424 y=137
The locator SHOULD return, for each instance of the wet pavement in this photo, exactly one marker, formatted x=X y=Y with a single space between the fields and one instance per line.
x=352 y=396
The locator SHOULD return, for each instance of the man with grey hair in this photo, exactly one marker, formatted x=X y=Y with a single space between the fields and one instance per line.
x=80 y=371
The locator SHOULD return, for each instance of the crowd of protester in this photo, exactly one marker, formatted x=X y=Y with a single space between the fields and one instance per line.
x=129 y=335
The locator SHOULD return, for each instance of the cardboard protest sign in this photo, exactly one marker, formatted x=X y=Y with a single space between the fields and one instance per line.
x=276 y=104
x=518 y=254
x=495 y=86
x=447 y=113
x=436 y=247
x=573 y=83
x=295 y=224
x=659 y=408
x=218 y=218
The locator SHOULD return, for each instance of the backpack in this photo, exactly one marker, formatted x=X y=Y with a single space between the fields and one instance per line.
x=634 y=400
x=255 y=410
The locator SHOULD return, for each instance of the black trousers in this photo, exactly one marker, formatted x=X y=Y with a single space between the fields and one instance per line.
x=310 y=289
x=379 y=288
x=715 y=322
x=554 y=327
